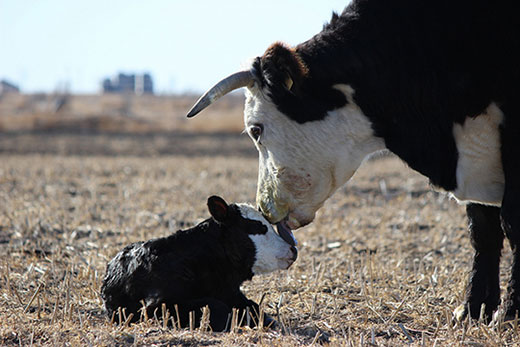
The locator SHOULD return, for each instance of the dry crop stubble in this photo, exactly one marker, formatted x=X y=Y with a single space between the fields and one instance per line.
x=385 y=262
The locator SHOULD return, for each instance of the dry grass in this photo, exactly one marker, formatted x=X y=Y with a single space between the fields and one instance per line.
x=384 y=264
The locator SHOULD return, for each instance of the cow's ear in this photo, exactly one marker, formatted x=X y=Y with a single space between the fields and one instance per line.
x=218 y=208
x=282 y=67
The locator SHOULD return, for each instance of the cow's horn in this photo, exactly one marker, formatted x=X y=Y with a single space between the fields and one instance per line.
x=228 y=84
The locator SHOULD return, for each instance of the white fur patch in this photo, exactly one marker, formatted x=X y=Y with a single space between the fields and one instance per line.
x=272 y=252
x=480 y=177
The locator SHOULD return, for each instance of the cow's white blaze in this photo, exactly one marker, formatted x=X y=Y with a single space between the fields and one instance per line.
x=480 y=177
x=272 y=252
x=301 y=165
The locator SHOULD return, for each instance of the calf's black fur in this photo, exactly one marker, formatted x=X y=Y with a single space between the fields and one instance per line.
x=192 y=268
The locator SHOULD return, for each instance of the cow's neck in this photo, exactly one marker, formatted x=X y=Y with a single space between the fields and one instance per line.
x=393 y=84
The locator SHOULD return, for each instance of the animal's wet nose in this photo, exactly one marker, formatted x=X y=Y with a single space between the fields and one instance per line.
x=294 y=251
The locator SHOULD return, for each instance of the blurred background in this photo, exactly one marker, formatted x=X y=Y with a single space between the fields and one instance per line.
x=135 y=67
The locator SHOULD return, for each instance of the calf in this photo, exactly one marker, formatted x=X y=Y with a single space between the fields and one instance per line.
x=197 y=267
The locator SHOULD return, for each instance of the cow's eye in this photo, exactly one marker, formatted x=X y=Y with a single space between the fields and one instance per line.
x=256 y=131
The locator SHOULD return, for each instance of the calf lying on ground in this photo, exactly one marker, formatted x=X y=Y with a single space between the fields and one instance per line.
x=192 y=268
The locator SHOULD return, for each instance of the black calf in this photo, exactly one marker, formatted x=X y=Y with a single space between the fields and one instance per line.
x=201 y=266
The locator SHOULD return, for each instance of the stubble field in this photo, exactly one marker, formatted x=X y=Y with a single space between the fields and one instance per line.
x=385 y=262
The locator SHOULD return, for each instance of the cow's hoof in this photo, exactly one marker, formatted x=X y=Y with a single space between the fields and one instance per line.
x=498 y=317
x=483 y=315
x=460 y=313
x=504 y=315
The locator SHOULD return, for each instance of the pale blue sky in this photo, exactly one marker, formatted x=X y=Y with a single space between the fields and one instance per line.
x=185 y=45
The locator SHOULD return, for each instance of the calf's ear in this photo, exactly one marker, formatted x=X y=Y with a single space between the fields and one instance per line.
x=218 y=208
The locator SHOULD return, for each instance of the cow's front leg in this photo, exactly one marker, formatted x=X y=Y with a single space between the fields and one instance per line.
x=510 y=210
x=487 y=239
x=511 y=223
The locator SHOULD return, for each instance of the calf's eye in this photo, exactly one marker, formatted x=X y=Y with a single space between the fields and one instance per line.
x=256 y=131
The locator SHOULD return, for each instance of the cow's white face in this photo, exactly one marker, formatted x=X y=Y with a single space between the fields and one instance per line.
x=301 y=165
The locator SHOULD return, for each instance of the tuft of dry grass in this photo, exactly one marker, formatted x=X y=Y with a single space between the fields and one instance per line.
x=384 y=263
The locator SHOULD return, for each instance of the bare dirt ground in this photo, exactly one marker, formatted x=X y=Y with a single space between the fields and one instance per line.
x=384 y=264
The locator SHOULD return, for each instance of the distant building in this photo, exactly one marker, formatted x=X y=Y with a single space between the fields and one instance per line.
x=8 y=87
x=134 y=83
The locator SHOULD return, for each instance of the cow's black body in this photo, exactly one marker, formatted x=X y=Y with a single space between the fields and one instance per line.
x=418 y=68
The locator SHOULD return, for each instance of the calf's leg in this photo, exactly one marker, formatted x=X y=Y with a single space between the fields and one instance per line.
x=218 y=312
x=240 y=301
x=487 y=240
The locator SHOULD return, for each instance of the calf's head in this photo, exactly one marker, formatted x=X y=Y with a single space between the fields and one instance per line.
x=310 y=134
x=272 y=252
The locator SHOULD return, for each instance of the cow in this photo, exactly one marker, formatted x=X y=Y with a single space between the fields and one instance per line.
x=201 y=266
x=434 y=82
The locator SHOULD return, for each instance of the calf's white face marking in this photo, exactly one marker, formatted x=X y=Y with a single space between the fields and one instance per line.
x=480 y=177
x=272 y=252
x=301 y=165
